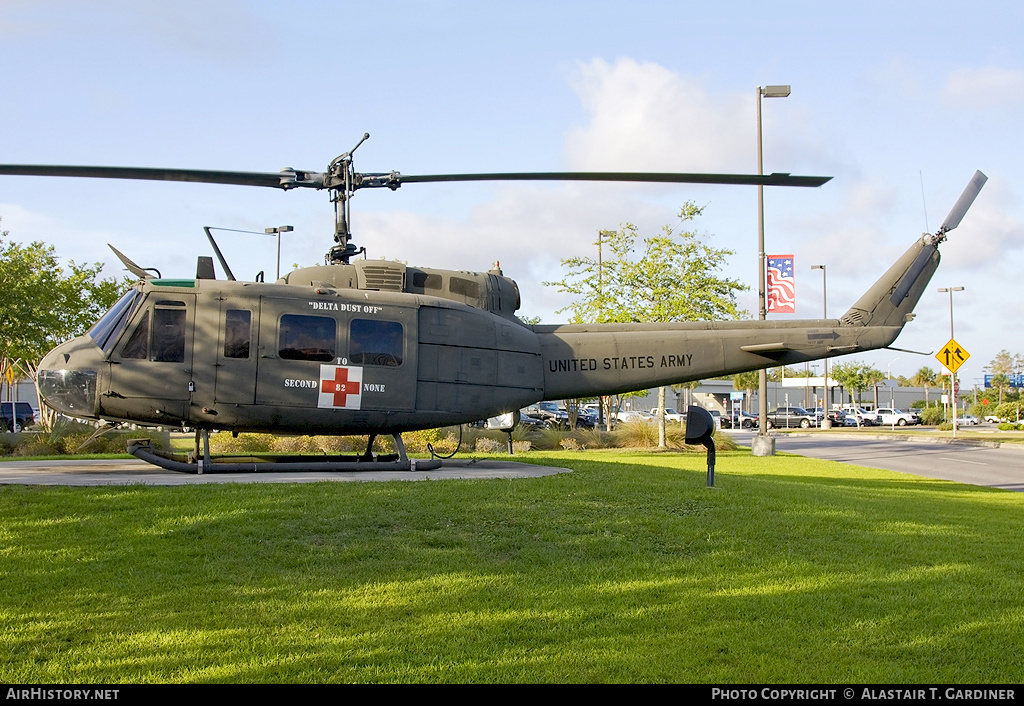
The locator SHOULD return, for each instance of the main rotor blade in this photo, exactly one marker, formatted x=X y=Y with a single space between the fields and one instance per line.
x=275 y=179
x=776 y=179
x=964 y=202
x=291 y=178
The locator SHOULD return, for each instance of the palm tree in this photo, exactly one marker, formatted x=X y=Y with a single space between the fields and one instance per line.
x=925 y=377
x=1001 y=381
x=747 y=382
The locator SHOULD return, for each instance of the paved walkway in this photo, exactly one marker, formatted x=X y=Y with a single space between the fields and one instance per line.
x=132 y=472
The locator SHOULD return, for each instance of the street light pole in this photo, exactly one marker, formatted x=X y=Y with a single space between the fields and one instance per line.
x=763 y=445
x=952 y=374
x=278 y=231
x=826 y=423
x=892 y=392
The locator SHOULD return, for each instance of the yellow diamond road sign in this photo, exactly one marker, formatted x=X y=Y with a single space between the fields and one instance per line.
x=953 y=355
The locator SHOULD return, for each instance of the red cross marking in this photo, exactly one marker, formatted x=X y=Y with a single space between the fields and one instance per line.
x=341 y=386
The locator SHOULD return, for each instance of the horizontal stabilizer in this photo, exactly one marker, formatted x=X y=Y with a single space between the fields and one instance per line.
x=768 y=350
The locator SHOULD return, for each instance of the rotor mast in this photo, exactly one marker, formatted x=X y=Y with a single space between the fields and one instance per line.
x=341 y=180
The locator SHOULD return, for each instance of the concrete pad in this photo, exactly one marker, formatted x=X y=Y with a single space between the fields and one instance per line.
x=133 y=472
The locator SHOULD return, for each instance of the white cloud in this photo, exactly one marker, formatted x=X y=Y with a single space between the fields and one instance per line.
x=985 y=88
x=642 y=116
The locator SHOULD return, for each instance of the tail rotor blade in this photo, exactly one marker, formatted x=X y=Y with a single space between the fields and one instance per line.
x=964 y=202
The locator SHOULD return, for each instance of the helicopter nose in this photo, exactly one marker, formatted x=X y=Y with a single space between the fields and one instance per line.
x=67 y=378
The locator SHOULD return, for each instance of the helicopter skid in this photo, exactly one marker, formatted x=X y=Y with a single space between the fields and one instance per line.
x=143 y=450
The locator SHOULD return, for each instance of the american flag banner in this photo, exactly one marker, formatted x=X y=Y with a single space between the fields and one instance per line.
x=781 y=285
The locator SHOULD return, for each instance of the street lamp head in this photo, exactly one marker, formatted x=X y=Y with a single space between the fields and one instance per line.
x=817 y=267
x=775 y=91
x=950 y=289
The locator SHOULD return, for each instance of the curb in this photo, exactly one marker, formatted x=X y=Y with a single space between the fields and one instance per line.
x=914 y=439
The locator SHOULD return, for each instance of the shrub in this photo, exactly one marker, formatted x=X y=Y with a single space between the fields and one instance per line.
x=637 y=435
x=593 y=438
x=416 y=441
x=1009 y=410
x=35 y=445
x=488 y=445
x=224 y=442
x=570 y=444
x=549 y=439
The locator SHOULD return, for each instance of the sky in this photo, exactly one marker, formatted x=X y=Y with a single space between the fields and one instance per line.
x=899 y=102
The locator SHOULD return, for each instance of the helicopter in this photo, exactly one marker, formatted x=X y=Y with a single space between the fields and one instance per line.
x=377 y=347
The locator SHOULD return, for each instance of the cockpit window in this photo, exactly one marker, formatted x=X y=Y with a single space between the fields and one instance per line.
x=164 y=340
x=169 y=334
x=137 y=347
x=107 y=330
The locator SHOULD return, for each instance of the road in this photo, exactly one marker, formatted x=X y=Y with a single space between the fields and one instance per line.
x=976 y=464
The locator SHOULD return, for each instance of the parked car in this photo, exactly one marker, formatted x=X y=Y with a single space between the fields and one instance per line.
x=790 y=417
x=671 y=415
x=531 y=422
x=739 y=420
x=17 y=415
x=550 y=413
x=835 y=416
x=967 y=420
x=864 y=417
x=717 y=416
x=584 y=420
x=632 y=416
x=589 y=417
x=892 y=416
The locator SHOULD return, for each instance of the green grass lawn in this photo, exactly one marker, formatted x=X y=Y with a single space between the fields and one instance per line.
x=629 y=569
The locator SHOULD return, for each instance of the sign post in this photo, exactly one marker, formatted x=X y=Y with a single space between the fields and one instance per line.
x=953 y=355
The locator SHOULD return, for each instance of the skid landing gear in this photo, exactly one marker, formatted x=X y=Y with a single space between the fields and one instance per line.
x=202 y=462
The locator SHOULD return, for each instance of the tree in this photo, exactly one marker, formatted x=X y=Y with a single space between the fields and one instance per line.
x=672 y=276
x=1002 y=366
x=42 y=304
x=856 y=376
x=747 y=382
x=925 y=377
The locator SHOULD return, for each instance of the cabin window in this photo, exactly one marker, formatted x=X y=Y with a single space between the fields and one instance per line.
x=374 y=342
x=237 y=333
x=307 y=338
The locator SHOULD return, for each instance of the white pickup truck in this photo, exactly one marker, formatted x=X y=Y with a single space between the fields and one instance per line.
x=897 y=417
x=671 y=415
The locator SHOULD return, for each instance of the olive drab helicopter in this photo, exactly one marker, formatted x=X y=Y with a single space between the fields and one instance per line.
x=373 y=347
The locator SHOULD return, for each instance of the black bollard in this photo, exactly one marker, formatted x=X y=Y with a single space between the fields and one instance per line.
x=700 y=429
